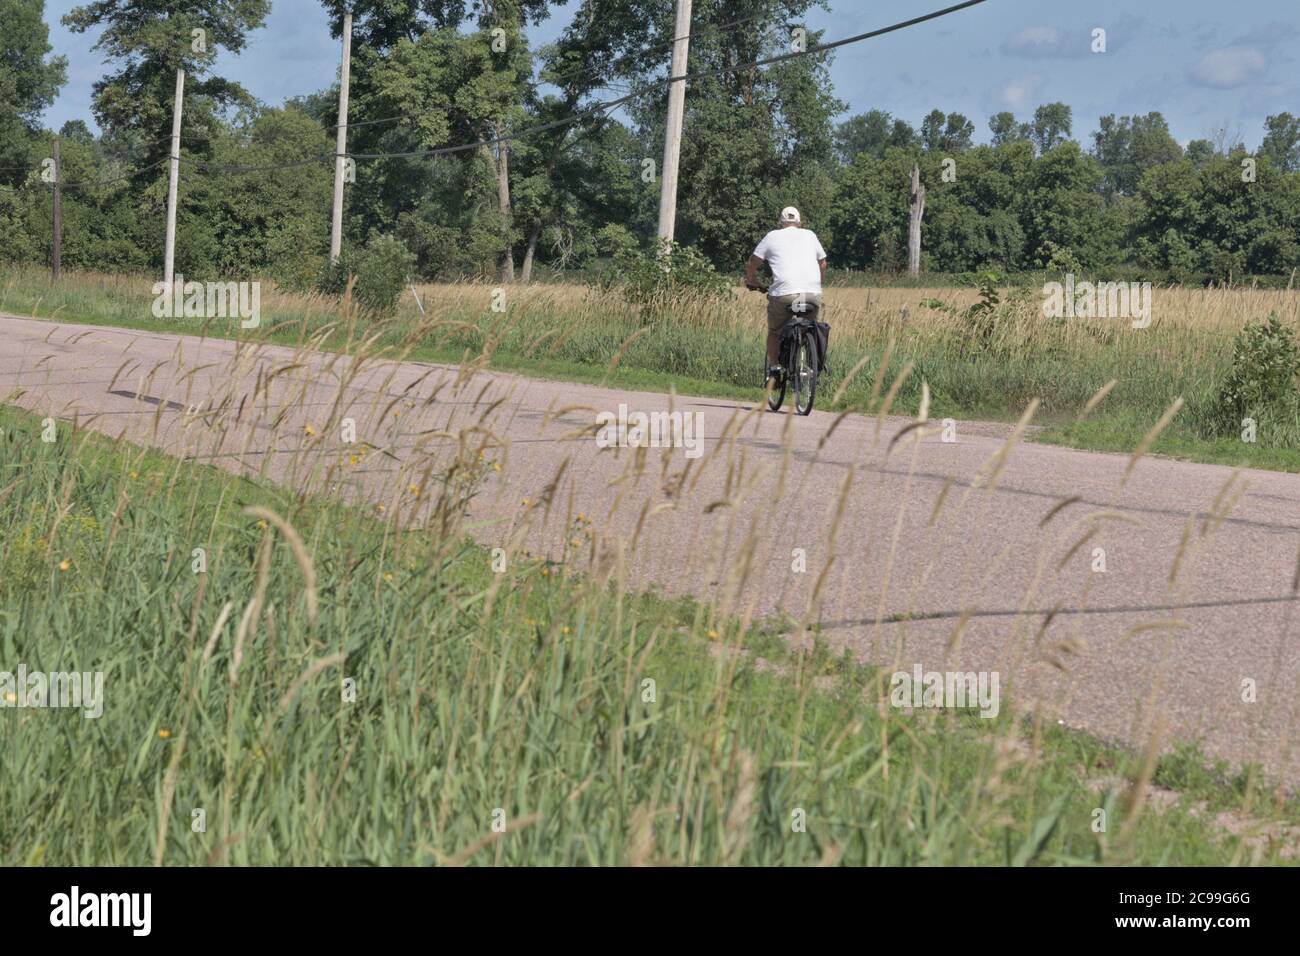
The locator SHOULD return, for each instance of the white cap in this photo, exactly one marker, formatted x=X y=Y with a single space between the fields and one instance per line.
x=789 y=214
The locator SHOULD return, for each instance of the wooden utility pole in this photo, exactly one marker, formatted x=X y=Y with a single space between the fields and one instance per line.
x=507 y=265
x=56 y=260
x=340 y=160
x=173 y=180
x=914 y=225
x=673 y=132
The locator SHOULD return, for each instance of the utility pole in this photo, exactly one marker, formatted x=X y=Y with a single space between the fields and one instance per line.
x=673 y=132
x=169 y=253
x=56 y=260
x=336 y=227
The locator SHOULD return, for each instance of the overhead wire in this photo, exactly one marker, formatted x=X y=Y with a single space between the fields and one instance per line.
x=595 y=110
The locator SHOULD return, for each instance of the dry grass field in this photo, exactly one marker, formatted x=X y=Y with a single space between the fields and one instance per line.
x=872 y=312
x=854 y=310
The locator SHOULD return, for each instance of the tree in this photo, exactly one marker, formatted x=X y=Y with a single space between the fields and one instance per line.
x=757 y=139
x=76 y=131
x=1006 y=130
x=449 y=88
x=29 y=81
x=946 y=134
x=1127 y=147
x=1203 y=219
x=1052 y=125
x=1281 y=144
x=1200 y=151
x=1061 y=207
x=150 y=40
x=381 y=24
x=272 y=219
x=976 y=222
x=867 y=132
x=869 y=211
x=573 y=180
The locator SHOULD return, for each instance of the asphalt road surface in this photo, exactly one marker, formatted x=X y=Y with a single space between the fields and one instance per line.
x=1163 y=604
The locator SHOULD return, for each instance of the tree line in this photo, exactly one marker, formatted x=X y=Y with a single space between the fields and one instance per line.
x=485 y=156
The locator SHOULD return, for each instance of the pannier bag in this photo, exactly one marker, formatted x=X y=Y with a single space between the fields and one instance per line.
x=823 y=345
x=821 y=342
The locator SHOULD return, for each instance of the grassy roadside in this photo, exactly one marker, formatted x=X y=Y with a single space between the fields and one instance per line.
x=348 y=688
x=558 y=333
x=1121 y=433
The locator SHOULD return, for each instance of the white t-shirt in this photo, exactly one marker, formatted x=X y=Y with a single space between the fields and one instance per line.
x=794 y=255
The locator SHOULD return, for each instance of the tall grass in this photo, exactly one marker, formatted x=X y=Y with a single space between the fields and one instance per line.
x=336 y=689
x=349 y=680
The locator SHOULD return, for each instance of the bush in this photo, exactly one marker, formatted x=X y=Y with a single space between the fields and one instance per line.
x=1057 y=258
x=981 y=323
x=682 y=275
x=616 y=241
x=382 y=270
x=1264 y=382
x=1222 y=266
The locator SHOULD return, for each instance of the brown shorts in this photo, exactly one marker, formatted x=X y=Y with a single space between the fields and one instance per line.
x=778 y=308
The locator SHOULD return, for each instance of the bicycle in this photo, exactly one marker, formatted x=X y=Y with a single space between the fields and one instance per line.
x=798 y=367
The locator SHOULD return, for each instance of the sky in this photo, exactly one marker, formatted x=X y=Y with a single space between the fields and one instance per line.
x=1207 y=65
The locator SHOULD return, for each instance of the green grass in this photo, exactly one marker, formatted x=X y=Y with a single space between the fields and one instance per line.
x=1123 y=432
x=521 y=694
x=1062 y=365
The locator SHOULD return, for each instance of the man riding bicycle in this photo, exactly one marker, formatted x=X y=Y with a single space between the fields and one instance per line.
x=798 y=264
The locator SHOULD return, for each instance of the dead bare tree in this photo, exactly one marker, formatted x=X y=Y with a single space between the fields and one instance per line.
x=914 y=224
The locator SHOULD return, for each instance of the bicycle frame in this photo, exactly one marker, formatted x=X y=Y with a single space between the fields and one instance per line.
x=803 y=315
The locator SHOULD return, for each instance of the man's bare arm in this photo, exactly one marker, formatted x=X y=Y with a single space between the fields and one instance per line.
x=822 y=264
x=751 y=271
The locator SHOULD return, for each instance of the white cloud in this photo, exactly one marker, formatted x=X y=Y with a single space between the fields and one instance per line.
x=1019 y=94
x=1035 y=42
x=1053 y=43
x=1230 y=67
x=1269 y=35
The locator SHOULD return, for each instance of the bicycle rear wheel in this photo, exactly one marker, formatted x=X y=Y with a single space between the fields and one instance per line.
x=804 y=374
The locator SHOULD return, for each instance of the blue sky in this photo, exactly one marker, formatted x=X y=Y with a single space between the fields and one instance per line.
x=1205 y=64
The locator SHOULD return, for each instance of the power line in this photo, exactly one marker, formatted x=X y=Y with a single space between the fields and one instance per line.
x=81 y=184
x=590 y=112
x=703 y=74
x=582 y=71
x=130 y=152
x=823 y=47
x=268 y=167
x=101 y=182
x=690 y=35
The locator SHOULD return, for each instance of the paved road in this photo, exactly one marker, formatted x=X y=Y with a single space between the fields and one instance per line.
x=926 y=551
